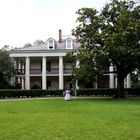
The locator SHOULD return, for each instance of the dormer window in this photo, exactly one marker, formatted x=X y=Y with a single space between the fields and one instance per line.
x=51 y=44
x=69 y=44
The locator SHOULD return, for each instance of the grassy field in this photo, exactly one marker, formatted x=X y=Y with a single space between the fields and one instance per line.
x=80 y=119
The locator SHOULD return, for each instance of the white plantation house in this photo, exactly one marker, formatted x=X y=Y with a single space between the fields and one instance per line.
x=46 y=66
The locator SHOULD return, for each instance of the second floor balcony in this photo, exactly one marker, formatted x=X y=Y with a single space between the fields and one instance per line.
x=39 y=71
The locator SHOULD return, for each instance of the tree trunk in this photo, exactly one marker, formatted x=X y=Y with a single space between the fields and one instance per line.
x=120 y=92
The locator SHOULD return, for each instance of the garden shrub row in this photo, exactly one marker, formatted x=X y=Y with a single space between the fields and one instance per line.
x=17 y=93
x=11 y=93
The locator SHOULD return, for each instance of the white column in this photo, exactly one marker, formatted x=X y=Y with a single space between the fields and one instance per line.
x=23 y=68
x=116 y=81
x=27 y=73
x=77 y=66
x=12 y=80
x=111 y=77
x=19 y=79
x=125 y=83
x=77 y=87
x=43 y=72
x=19 y=70
x=129 y=80
x=19 y=66
x=61 y=81
x=22 y=82
x=96 y=84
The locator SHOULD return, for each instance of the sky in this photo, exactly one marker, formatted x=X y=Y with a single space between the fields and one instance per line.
x=25 y=21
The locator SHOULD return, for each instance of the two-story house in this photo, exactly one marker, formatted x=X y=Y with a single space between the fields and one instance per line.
x=46 y=66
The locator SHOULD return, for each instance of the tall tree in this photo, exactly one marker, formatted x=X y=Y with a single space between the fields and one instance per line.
x=110 y=37
x=6 y=68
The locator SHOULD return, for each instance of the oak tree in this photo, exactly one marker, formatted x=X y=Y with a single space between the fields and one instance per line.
x=110 y=37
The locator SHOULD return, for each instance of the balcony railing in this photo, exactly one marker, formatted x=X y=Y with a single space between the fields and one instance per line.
x=39 y=71
x=67 y=70
x=35 y=71
x=53 y=71
x=20 y=71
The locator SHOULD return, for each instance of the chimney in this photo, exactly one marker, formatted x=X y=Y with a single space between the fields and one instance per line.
x=77 y=38
x=60 y=36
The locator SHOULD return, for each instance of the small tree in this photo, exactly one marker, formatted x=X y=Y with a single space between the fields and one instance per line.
x=111 y=37
x=6 y=68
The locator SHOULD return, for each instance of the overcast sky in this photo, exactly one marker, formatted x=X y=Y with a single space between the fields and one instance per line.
x=24 y=21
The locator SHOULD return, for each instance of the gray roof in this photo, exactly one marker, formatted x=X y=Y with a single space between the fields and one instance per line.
x=59 y=47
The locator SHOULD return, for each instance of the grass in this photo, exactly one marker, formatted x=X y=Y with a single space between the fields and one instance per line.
x=80 y=119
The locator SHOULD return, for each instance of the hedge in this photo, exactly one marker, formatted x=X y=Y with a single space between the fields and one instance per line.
x=96 y=92
x=11 y=93
x=17 y=93
x=107 y=92
x=132 y=91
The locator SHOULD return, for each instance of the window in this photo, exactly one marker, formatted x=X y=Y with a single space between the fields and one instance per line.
x=51 y=44
x=69 y=44
x=48 y=66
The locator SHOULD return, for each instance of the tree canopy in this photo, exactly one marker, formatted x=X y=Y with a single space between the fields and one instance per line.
x=38 y=42
x=27 y=45
x=111 y=36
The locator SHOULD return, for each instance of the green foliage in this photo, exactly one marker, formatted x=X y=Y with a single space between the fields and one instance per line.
x=6 y=68
x=121 y=34
x=107 y=92
x=18 y=93
x=135 y=78
x=28 y=45
x=29 y=93
x=96 y=92
x=137 y=85
x=38 y=42
x=109 y=37
x=133 y=91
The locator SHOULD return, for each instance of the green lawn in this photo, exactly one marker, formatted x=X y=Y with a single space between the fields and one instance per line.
x=80 y=119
